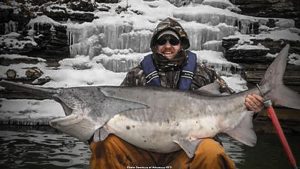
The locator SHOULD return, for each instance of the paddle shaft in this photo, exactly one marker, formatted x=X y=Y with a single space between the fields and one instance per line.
x=272 y=115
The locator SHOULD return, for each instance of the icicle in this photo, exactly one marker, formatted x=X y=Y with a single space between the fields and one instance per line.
x=6 y=28
x=38 y=27
x=11 y=26
x=213 y=45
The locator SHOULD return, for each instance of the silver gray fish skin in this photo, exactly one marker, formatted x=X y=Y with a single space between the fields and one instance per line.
x=174 y=117
x=160 y=119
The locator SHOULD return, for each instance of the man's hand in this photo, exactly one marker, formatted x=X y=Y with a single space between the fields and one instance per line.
x=254 y=102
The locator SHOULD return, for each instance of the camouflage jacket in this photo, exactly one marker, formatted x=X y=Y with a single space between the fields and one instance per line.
x=203 y=76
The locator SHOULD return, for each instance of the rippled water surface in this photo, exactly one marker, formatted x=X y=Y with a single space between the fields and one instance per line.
x=25 y=147
x=43 y=147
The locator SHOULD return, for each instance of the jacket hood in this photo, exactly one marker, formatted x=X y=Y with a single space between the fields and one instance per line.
x=170 y=24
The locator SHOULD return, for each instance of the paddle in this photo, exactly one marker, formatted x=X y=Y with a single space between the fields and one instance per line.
x=272 y=115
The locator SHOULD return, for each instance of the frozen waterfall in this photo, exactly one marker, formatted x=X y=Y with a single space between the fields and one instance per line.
x=88 y=39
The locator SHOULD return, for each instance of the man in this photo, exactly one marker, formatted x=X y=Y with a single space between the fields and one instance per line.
x=172 y=66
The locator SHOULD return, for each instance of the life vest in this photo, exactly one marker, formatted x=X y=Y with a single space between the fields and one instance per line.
x=186 y=74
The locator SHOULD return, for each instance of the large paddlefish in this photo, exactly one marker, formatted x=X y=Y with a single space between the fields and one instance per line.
x=160 y=119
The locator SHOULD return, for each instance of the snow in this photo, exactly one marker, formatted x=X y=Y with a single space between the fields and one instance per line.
x=270 y=55
x=294 y=59
x=38 y=108
x=17 y=56
x=12 y=42
x=42 y=20
x=285 y=23
x=20 y=68
x=119 y=60
x=95 y=76
x=30 y=111
x=215 y=59
x=213 y=16
x=236 y=82
x=223 y=4
x=286 y=34
x=280 y=34
x=70 y=73
x=250 y=47
x=215 y=45
x=11 y=35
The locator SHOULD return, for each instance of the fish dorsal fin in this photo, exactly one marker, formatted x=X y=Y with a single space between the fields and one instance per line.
x=212 y=89
x=244 y=132
x=113 y=106
x=188 y=146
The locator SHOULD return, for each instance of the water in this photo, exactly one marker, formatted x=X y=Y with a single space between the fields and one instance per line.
x=269 y=154
x=43 y=147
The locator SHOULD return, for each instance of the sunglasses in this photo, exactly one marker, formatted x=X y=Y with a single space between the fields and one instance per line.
x=163 y=40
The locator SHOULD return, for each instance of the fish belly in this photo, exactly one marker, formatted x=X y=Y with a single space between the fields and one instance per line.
x=156 y=137
x=160 y=136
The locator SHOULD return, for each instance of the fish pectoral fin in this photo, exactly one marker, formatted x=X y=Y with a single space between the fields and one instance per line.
x=75 y=125
x=244 y=132
x=100 y=134
x=188 y=146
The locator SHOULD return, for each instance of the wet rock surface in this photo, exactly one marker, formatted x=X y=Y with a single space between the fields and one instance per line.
x=271 y=8
x=256 y=58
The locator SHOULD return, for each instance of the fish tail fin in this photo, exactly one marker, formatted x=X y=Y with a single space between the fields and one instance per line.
x=272 y=85
x=37 y=91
